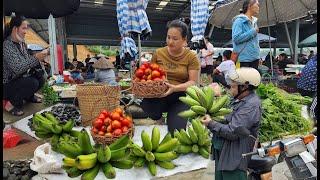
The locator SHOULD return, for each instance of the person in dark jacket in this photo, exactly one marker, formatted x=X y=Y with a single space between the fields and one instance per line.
x=22 y=72
x=228 y=146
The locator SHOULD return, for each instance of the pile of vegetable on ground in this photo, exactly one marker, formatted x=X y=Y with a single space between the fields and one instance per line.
x=281 y=113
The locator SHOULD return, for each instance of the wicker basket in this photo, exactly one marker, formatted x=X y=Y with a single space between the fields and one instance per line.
x=152 y=89
x=95 y=97
x=109 y=140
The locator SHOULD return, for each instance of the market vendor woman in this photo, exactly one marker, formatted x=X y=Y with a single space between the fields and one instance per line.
x=228 y=145
x=182 y=67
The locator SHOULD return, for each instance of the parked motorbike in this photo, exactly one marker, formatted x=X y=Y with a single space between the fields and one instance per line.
x=261 y=161
x=299 y=154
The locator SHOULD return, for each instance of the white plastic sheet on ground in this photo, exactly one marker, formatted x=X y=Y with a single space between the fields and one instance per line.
x=185 y=163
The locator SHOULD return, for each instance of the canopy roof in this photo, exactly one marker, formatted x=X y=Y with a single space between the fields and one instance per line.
x=96 y=24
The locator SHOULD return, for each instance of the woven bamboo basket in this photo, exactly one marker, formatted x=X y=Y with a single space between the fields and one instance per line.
x=152 y=89
x=104 y=140
x=95 y=97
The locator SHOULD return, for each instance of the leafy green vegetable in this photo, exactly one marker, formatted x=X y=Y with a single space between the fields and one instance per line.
x=50 y=96
x=281 y=113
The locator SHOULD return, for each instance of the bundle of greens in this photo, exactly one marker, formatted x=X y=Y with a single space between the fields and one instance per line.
x=50 y=96
x=281 y=113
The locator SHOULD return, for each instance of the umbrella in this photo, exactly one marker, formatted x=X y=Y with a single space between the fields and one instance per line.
x=263 y=38
x=41 y=9
x=199 y=18
x=310 y=41
x=271 y=13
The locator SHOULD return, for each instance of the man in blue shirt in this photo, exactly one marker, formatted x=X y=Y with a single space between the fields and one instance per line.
x=307 y=84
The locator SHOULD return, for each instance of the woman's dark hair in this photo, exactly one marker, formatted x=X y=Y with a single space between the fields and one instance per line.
x=284 y=55
x=246 y=5
x=15 y=21
x=182 y=26
x=227 y=54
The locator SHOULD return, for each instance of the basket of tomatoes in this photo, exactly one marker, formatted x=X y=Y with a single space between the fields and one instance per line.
x=110 y=126
x=149 y=81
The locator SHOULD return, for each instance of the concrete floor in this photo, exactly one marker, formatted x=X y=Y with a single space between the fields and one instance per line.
x=25 y=149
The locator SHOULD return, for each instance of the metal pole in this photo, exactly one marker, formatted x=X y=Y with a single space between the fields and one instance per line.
x=53 y=45
x=211 y=30
x=139 y=48
x=74 y=46
x=271 y=63
x=296 y=41
x=288 y=36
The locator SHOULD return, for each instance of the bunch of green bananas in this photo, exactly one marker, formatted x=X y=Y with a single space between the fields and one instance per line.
x=202 y=101
x=197 y=140
x=46 y=126
x=153 y=152
x=89 y=162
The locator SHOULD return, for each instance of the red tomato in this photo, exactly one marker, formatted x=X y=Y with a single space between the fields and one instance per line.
x=125 y=122
x=109 y=129
x=155 y=74
x=157 y=79
x=117 y=132
x=105 y=112
x=154 y=66
x=102 y=116
x=107 y=121
x=108 y=134
x=124 y=129
x=139 y=73
x=116 y=124
x=121 y=119
x=115 y=116
x=95 y=130
x=143 y=66
x=101 y=133
x=103 y=128
x=147 y=71
x=137 y=79
x=149 y=77
x=98 y=123
x=161 y=72
x=118 y=110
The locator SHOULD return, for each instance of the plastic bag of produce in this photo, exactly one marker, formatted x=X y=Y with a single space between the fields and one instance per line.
x=44 y=161
x=10 y=138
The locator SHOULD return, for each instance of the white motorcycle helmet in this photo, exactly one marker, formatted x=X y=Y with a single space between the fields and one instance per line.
x=246 y=75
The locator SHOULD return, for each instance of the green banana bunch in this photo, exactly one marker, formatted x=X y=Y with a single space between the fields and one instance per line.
x=84 y=142
x=69 y=149
x=202 y=101
x=154 y=152
x=104 y=154
x=84 y=162
x=195 y=140
x=68 y=126
x=91 y=174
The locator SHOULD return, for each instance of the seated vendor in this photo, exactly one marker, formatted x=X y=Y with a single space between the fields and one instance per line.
x=104 y=72
x=22 y=72
x=226 y=67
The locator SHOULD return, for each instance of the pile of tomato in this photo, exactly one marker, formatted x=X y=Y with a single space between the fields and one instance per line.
x=149 y=72
x=111 y=124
